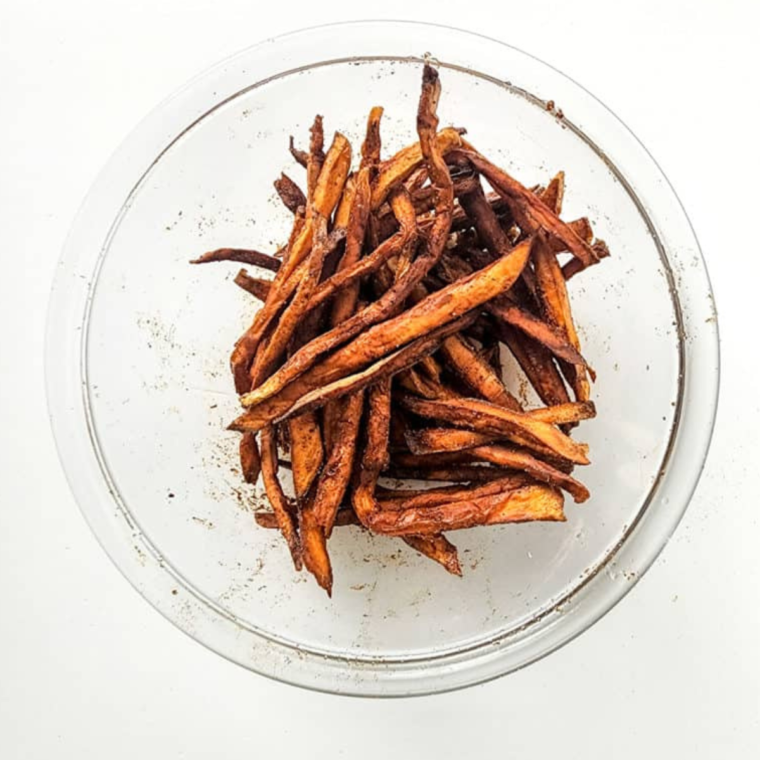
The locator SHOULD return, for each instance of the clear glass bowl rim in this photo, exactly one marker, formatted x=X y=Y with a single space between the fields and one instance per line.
x=64 y=351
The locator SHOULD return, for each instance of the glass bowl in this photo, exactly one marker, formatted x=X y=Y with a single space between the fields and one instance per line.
x=140 y=391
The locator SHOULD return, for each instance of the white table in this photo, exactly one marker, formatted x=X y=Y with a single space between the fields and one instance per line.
x=88 y=669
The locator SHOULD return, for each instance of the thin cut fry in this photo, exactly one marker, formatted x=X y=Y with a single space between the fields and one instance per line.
x=401 y=166
x=242 y=256
x=529 y=503
x=437 y=309
x=477 y=373
x=483 y=416
x=257 y=287
x=438 y=548
x=276 y=495
x=290 y=194
x=250 y=462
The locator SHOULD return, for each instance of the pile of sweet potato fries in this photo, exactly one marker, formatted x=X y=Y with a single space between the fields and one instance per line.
x=377 y=348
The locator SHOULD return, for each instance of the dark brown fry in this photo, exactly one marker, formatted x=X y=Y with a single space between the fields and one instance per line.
x=336 y=474
x=538 y=365
x=301 y=156
x=343 y=518
x=257 y=287
x=250 y=461
x=242 y=256
x=505 y=456
x=290 y=194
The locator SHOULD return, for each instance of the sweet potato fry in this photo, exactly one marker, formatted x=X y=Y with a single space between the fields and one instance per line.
x=536 y=214
x=257 y=287
x=525 y=504
x=344 y=517
x=375 y=456
x=306 y=451
x=482 y=416
x=477 y=373
x=276 y=495
x=372 y=142
x=314 y=548
x=562 y=414
x=555 y=304
x=242 y=256
x=333 y=483
x=506 y=456
x=538 y=365
x=437 y=309
x=401 y=166
x=547 y=335
x=296 y=310
x=250 y=461
x=435 y=440
x=290 y=194
x=301 y=156
x=326 y=196
x=438 y=548
x=385 y=367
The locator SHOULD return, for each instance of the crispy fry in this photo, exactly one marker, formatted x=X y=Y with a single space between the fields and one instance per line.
x=290 y=194
x=305 y=400
x=434 y=277
x=277 y=497
x=250 y=461
x=401 y=166
x=438 y=548
x=435 y=440
x=482 y=416
x=375 y=456
x=528 y=503
x=538 y=365
x=437 y=309
x=242 y=256
x=343 y=518
x=536 y=214
x=301 y=156
x=297 y=308
x=372 y=142
x=477 y=373
x=333 y=483
x=505 y=456
x=326 y=196
x=257 y=287
x=316 y=157
x=314 y=548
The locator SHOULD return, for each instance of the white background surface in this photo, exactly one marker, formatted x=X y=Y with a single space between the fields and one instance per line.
x=88 y=669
